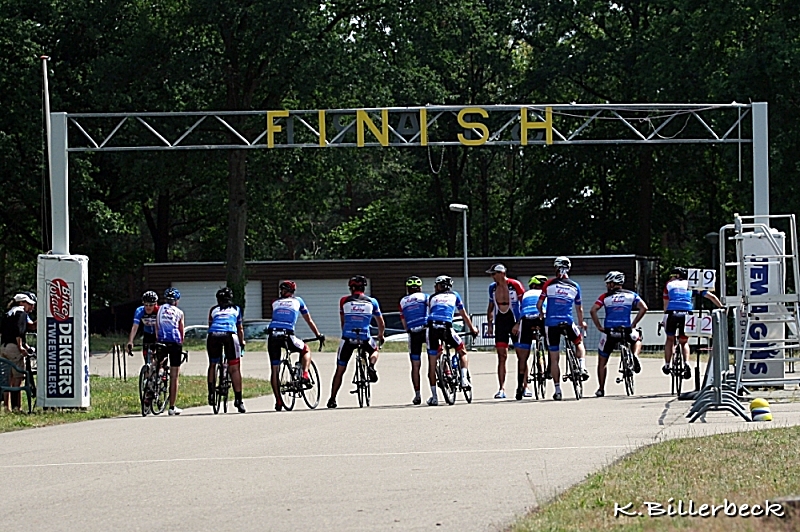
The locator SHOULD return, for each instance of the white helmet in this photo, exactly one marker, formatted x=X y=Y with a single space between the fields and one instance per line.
x=615 y=277
x=562 y=263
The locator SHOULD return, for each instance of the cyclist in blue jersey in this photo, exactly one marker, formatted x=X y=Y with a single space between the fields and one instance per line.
x=442 y=306
x=355 y=313
x=146 y=316
x=562 y=293
x=285 y=312
x=678 y=303
x=414 y=315
x=619 y=305
x=169 y=331
x=225 y=333
x=530 y=320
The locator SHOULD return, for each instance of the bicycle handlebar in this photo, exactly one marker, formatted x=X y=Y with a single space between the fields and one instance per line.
x=320 y=339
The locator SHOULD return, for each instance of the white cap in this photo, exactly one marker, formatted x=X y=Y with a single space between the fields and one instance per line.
x=20 y=298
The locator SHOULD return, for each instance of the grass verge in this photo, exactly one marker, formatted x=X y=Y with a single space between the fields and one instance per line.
x=744 y=468
x=113 y=397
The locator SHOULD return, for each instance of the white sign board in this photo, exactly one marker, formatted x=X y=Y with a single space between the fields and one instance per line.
x=696 y=325
x=702 y=279
x=763 y=277
x=63 y=331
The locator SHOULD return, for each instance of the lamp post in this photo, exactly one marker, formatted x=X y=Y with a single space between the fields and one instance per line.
x=460 y=207
x=713 y=239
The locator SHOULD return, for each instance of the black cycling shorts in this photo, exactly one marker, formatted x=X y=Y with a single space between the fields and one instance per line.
x=147 y=339
x=175 y=353
x=217 y=342
x=527 y=327
x=416 y=339
x=609 y=340
x=348 y=345
x=280 y=338
x=676 y=321
x=503 y=323
x=442 y=333
x=570 y=330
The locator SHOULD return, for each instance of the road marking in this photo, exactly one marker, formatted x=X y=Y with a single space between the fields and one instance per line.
x=307 y=456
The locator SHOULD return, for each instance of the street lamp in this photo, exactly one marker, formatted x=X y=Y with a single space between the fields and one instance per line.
x=460 y=207
x=713 y=239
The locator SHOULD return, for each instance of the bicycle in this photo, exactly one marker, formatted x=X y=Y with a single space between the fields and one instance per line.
x=448 y=376
x=676 y=365
x=573 y=372
x=361 y=377
x=154 y=381
x=291 y=377
x=540 y=369
x=222 y=387
x=626 y=363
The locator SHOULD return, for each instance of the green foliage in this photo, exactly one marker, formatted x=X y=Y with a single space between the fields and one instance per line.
x=129 y=55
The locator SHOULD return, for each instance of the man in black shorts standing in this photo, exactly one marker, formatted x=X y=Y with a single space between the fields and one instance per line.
x=502 y=314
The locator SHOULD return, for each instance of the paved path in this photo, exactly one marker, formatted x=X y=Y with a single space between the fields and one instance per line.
x=393 y=466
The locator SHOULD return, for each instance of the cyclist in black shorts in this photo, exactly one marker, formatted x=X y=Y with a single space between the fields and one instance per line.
x=414 y=315
x=146 y=317
x=530 y=320
x=505 y=295
x=225 y=333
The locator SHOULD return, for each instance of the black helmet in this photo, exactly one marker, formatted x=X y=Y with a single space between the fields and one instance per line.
x=444 y=281
x=357 y=283
x=679 y=272
x=150 y=297
x=224 y=296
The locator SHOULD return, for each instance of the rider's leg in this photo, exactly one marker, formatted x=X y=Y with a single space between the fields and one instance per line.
x=522 y=368
x=433 y=361
x=415 y=366
x=337 y=381
x=276 y=384
x=669 y=346
x=235 y=370
x=174 y=371
x=502 y=357
x=211 y=378
x=602 y=370
x=305 y=360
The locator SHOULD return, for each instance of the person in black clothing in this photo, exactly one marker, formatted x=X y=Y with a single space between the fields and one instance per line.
x=12 y=342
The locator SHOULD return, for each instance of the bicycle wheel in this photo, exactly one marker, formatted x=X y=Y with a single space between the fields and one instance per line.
x=539 y=366
x=161 y=391
x=218 y=389
x=143 y=389
x=446 y=383
x=360 y=381
x=287 y=391
x=467 y=393
x=311 y=392
x=575 y=373
x=627 y=369
x=677 y=371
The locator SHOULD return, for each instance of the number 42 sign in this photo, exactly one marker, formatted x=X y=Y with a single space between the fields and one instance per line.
x=702 y=279
x=697 y=325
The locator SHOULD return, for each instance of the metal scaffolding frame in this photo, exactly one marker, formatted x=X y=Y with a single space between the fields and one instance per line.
x=491 y=125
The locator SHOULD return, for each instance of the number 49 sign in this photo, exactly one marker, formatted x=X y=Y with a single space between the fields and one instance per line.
x=697 y=325
x=702 y=279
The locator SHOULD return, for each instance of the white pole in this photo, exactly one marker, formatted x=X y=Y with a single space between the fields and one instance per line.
x=47 y=109
x=466 y=266
x=760 y=161
x=59 y=191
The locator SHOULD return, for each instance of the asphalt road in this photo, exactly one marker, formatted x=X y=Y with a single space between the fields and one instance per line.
x=393 y=466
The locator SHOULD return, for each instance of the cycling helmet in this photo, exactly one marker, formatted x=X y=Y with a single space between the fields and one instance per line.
x=562 y=263
x=444 y=281
x=172 y=294
x=615 y=277
x=357 y=283
x=224 y=296
x=537 y=280
x=150 y=297
x=414 y=281
x=288 y=286
x=679 y=272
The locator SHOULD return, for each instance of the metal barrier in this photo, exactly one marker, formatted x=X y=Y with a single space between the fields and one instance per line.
x=119 y=363
x=718 y=392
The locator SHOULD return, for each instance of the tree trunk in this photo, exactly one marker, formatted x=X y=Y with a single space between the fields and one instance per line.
x=159 y=226
x=237 y=224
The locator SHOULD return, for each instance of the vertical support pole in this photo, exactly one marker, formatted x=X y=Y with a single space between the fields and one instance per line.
x=466 y=266
x=59 y=190
x=760 y=162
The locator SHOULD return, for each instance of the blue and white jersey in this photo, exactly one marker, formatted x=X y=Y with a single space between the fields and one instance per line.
x=358 y=310
x=560 y=295
x=415 y=310
x=442 y=306
x=148 y=321
x=528 y=307
x=224 y=319
x=619 y=305
x=680 y=295
x=169 y=320
x=285 y=312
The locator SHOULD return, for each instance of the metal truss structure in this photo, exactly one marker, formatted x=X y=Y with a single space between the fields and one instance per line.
x=493 y=125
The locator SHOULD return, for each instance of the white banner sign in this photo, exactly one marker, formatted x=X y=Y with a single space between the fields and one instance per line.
x=697 y=325
x=702 y=279
x=63 y=331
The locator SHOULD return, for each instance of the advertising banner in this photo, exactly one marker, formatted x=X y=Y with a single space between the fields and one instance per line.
x=763 y=276
x=63 y=331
